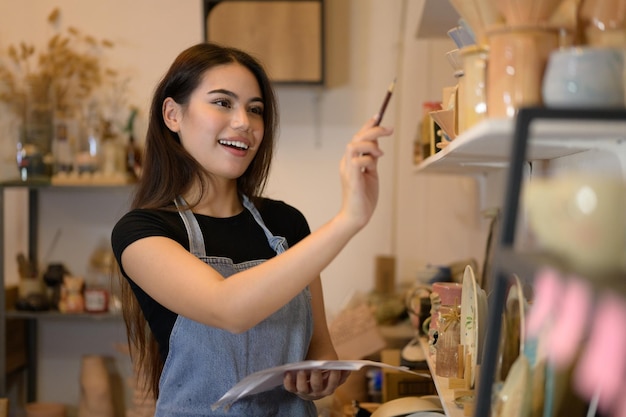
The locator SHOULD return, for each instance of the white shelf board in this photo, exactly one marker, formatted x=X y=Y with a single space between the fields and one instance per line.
x=487 y=146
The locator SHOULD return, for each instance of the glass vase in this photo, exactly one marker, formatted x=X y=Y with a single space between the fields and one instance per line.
x=34 y=147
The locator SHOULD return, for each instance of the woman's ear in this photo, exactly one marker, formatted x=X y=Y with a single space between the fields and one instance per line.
x=172 y=114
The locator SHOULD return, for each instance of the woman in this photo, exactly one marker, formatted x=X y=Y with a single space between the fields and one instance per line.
x=198 y=217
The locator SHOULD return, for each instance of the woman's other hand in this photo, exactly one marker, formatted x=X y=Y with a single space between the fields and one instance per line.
x=359 y=172
x=314 y=384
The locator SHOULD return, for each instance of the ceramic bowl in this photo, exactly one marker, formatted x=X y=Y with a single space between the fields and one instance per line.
x=404 y=406
x=580 y=218
x=461 y=37
x=584 y=77
x=454 y=58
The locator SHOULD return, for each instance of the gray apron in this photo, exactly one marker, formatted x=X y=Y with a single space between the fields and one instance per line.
x=204 y=362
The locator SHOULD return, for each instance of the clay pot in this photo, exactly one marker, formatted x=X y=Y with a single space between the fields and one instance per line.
x=517 y=62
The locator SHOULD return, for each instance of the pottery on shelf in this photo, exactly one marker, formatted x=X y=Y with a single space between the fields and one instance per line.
x=517 y=61
x=472 y=93
x=585 y=77
x=96 y=399
x=526 y=12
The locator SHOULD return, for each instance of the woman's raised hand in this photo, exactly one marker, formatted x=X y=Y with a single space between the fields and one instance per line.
x=359 y=173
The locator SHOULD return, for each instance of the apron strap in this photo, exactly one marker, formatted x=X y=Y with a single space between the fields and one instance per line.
x=196 y=240
x=277 y=243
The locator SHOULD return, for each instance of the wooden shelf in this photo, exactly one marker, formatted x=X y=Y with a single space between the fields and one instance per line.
x=487 y=146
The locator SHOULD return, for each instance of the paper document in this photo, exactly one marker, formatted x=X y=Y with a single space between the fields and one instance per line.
x=273 y=377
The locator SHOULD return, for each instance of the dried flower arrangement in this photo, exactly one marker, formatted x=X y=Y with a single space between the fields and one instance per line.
x=68 y=70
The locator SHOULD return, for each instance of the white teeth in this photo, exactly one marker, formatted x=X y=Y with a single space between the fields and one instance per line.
x=234 y=143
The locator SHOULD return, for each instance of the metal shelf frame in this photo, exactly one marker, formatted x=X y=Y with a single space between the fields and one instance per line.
x=32 y=319
x=522 y=135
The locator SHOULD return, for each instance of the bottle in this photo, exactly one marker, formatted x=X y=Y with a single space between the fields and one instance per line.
x=133 y=158
x=62 y=149
x=97 y=284
x=111 y=152
x=89 y=147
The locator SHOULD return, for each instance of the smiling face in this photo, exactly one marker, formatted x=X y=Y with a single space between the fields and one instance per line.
x=222 y=125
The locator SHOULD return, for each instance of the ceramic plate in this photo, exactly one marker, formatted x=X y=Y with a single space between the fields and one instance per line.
x=513 y=398
x=516 y=304
x=483 y=310
x=470 y=318
x=513 y=324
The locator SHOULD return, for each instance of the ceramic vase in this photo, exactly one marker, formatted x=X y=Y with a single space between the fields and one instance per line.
x=472 y=95
x=96 y=399
x=517 y=62
x=585 y=77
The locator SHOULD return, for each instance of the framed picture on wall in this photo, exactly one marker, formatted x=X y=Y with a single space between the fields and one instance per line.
x=287 y=36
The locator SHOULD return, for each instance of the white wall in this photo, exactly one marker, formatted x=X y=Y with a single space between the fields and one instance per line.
x=420 y=220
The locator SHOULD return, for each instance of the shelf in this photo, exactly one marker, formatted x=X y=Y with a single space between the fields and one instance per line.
x=487 y=146
x=446 y=395
x=55 y=315
x=537 y=133
x=47 y=183
x=35 y=188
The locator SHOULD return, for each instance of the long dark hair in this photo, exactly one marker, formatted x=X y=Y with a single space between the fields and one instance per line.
x=169 y=170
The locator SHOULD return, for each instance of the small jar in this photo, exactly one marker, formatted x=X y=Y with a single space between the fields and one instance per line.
x=448 y=342
x=448 y=329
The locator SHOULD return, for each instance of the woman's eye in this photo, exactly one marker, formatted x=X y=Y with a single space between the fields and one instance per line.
x=257 y=110
x=222 y=102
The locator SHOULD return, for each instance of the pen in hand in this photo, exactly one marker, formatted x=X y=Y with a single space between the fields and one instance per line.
x=381 y=113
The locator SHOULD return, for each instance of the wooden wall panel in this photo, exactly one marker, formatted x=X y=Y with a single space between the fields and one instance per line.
x=285 y=35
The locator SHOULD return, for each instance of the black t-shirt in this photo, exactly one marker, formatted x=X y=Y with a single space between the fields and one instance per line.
x=239 y=238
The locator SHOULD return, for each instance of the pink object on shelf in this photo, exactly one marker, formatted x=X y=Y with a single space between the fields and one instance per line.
x=548 y=290
x=570 y=324
x=449 y=292
x=602 y=366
